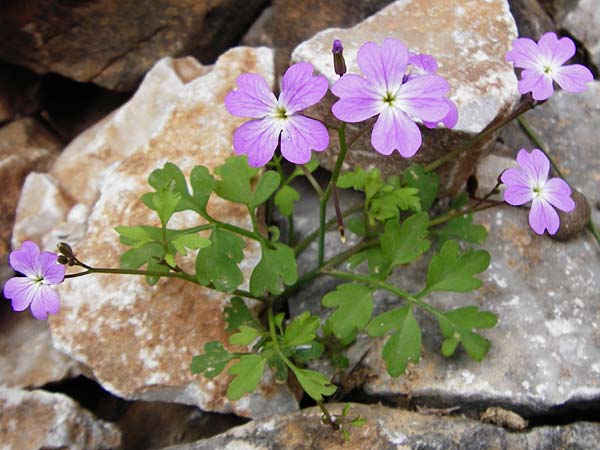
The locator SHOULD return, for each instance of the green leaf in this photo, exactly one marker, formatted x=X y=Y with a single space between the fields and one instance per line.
x=387 y=203
x=279 y=366
x=285 y=199
x=450 y=270
x=384 y=323
x=248 y=371
x=245 y=336
x=144 y=254
x=267 y=184
x=136 y=236
x=190 y=240
x=356 y=225
x=315 y=384
x=276 y=269
x=202 y=185
x=235 y=182
x=311 y=166
x=355 y=180
x=462 y=228
x=404 y=345
x=165 y=203
x=426 y=182
x=218 y=263
x=355 y=306
x=238 y=314
x=458 y=325
x=308 y=352
x=403 y=244
x=213 y=361
x=301 y=330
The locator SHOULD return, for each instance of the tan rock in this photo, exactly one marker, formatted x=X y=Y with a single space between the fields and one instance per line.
x=40 y=420
x=113 y=43
x=469 y=40
x=25 y=146
x=139 y=340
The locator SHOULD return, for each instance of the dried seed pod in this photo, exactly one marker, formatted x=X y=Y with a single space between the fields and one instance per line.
x=572 y=223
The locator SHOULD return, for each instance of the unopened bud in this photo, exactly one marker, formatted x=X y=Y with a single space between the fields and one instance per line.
x=65 y=249
x=339 y=63
x=62 y=259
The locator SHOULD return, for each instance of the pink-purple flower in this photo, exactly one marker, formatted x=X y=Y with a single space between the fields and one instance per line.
x=41 y=271
x=384 y=90
x=529 y=182
x=542 y=65
x=277 y=121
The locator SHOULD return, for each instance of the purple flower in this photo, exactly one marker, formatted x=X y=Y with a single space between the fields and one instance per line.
x=277 y=121
x=530 y=182
x=542 y=63
x=41 y=270
x=384 y=91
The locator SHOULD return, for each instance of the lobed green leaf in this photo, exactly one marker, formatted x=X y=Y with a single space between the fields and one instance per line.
x=354 y=303
x=218 y=263
x=248 y=371
x=276 y=269
x=213 y=361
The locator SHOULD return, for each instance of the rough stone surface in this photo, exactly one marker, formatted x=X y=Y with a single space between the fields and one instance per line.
x=113 y=43
x=531 y=18
x=388 y=428
x=25 y=146
x=581 y=19
x=19 y=92
x=40 y=420
x=27 y=357
x=469 y=41
x=139 y=340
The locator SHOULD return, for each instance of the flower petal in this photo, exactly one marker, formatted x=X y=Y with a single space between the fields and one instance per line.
x=524 y=54
x=517 y=195
x=45 y=301
x=423 y=63
x=516 y=177
x=357 y=100
x=385 y=65
x=300 y=89
x=52 y=272
x=26 y=260
x=423 y=97
x=258 y=139
x=558 y=193
x=543 y=216
x=536 y=82
x=394 y=130
x=302 y=135
x=451 y=118
x=535 y=165
x=20 y=291
x=573 y=78
x=554 y=51
x=253 y=98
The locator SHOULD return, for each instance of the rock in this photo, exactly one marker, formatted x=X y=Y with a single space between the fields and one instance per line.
x=581 y=19
x=40 y=420
x=19 y=92
x=154 y=425
x=472 y=60
x=114 y=43
x=139 y=340
x=531 y=18
x=25 y=146
x=27 y=357
x=574 y=222
x=394 y=429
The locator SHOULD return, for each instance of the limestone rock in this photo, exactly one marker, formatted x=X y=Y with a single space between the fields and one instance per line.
x=113 y=43
x=469 y=41
x=139 y=340
x=19 y=92
x=27 y=356
x=37 y=419
x=531 y=18
x=397 y=429
x=25 y=146
x=581 y=19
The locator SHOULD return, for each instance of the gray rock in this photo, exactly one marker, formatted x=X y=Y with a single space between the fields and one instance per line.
x=388 y=428
x=40 y=420
x=581 y=18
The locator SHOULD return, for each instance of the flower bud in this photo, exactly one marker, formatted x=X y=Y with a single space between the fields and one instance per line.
x=339 y=64
x=65 y=249
x=62 y=259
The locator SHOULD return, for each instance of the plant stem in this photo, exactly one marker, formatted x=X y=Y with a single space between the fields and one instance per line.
x=325 y=197
x=313 y=182
x=536 y=139
x=525 y=105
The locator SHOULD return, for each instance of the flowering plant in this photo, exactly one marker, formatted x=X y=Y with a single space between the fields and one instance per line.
x=396 y=223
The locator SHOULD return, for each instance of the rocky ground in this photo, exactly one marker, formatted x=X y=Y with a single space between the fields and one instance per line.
x=94 y=97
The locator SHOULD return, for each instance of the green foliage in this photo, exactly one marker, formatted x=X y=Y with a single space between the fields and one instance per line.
x=314 y=383
x=248 y=371
x=403 y=244
x=462 y=228
x=285 y=199
x=245 y=336
x=276 y=269
x=450 y=270
x=218 y=263
x=404 y=345
x=302 y=330
x=238 y=314
x=427 y=184
x=213 y=361
x=458 y=325
x=354 y=304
